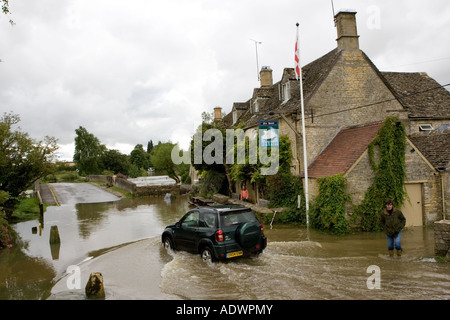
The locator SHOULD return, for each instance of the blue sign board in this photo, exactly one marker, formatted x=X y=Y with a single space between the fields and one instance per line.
x=268 y=134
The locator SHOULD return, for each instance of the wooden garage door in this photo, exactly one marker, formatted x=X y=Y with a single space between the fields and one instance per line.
x=412 y=207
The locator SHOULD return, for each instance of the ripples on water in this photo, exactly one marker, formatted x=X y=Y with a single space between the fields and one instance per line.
x=324 y=267
x=298 y=270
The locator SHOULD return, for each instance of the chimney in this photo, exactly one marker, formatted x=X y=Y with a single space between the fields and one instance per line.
x=266 y=76
x=217 y=114
x=347 y=35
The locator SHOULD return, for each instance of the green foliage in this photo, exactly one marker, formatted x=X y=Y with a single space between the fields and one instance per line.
x=7 y=234
x=252 y=172
x=140 y=158
x=389 y=173
x=328 y=208
x=5 y=9
x=88 y=152
x=26 y=209
x=149 y=146
x=200 y=143
x=282 y=191
x=283 y=188
x=161 y=158
x=212 y=182
x=115 y=161
x=22 y=160
x=183 y=171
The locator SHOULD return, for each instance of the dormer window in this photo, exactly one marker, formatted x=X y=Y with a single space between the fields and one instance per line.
x=285 y=91
x=234 y=116
x=255 y=106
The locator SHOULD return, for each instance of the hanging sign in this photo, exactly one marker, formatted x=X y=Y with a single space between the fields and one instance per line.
x=269 y=135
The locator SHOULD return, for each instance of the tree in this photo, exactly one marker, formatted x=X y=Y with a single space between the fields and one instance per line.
x=22 y=160
x=149 y=146
x=161 y=158
x=88 y=152
x=115 y=161
x=219 y=168
x=5 y=9
x=140 y=158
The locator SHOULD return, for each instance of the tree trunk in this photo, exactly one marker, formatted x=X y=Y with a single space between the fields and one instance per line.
x=228 y=175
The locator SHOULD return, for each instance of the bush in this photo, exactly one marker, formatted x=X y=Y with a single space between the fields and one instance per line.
x=27 y=208
x=7 y=234
x=282 y=192
x=328 y=208
x=212 y=182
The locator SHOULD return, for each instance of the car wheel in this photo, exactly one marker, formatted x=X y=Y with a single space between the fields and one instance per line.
x=167 y=243
x=207 y=255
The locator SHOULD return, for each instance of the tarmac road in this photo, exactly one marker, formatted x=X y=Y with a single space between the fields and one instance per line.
x=71 y=193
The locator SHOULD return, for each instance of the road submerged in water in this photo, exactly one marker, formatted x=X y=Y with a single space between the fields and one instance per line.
x=121 y=239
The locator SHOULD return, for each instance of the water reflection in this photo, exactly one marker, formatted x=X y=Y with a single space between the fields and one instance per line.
x=23 y=277
x=27 y=270
x=297 y=264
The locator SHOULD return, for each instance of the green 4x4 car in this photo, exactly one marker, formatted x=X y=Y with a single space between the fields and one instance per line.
x=217 y=233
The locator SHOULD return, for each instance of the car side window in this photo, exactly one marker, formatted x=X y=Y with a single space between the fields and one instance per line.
x=209 y=220
x=191 y=220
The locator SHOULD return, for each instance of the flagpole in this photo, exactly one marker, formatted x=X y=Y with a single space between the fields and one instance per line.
x=298 y=71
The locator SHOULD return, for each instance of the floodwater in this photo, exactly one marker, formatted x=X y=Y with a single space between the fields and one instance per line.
x=122 y=240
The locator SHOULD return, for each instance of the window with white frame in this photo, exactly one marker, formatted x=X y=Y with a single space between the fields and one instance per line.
x=255 y=106
x=425 y=127
x=286 y=91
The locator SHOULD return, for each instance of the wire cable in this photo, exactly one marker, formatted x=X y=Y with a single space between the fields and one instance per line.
x=375 y=103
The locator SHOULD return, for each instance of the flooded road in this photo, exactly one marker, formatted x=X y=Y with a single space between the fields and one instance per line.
x=326 y=267
x=122 y=240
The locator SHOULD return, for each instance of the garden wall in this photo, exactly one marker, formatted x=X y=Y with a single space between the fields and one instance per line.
x=442 y=237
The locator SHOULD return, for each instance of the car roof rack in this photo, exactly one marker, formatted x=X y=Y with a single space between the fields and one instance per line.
x=230 y=208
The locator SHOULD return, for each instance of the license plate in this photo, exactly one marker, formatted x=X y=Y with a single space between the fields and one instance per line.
x=234 y=254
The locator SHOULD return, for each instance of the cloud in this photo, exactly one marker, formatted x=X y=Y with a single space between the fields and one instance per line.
x=135 y=71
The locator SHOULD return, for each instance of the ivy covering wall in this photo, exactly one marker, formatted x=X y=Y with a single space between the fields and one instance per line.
x=387 y=159
x=328 y=208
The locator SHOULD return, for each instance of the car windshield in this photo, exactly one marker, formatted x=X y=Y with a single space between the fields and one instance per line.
x=236 y=217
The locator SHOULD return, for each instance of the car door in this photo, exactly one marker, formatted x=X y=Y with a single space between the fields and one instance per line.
x=186 y=234
x=207 y=225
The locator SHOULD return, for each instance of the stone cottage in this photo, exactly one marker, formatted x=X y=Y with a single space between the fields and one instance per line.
x=346 y=101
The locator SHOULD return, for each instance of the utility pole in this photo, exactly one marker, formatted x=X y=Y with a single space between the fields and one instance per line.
x=298 y=70
x=257 y=61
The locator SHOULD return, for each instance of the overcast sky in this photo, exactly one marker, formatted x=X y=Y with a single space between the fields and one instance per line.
x=140 y=70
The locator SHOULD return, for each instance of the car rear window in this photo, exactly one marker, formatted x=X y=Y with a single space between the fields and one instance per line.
x=236 y=217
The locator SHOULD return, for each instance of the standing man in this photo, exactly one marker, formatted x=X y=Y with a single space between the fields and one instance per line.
x=392 y=221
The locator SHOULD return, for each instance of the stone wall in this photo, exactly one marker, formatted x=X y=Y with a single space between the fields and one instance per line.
x=124 y=184
x=156 y=190
x=352 y=82
x=97 y=178
x=131 y=187
x=442 y=237
x=445 y=185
